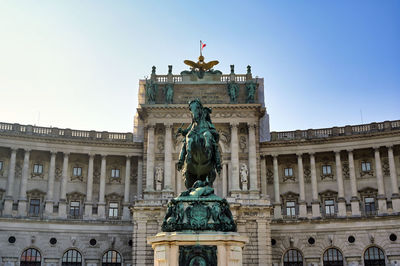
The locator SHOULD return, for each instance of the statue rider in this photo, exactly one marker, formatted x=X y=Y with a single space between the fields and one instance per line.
x=210 y=134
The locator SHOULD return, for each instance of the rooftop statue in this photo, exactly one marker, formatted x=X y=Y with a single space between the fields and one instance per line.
x=198 y=208
x=201 y=66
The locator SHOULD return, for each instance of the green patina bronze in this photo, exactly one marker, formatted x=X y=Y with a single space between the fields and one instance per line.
x=251 y=87
x=169 y=92
x=197 y=255
x=233 y=91
x=151 y=91
x=198 y=208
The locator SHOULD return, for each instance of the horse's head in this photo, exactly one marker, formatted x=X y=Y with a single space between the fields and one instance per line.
x=196 y=108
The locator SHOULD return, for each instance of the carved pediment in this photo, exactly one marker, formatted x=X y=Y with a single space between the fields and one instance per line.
x=35 y=193
x=328 y=193
x=75 y=196
x=114 y=197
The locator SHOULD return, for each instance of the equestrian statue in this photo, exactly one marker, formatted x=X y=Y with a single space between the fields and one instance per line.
x=198 y=208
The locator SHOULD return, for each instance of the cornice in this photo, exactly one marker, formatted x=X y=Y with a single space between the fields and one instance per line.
x=86 y=142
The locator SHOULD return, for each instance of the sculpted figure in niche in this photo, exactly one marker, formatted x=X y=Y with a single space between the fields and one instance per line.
x=244 y=173
x=169 y=92
x=242 y=142
x=151 y=91
x=160 y=143
x=159 y=177
x=233 y=90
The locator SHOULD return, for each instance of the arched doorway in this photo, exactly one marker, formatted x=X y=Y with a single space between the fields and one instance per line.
x=112 y=258
x=72 y=257
x=31 y=257
x=333 y=257
x=293 y=257
x=374 y=256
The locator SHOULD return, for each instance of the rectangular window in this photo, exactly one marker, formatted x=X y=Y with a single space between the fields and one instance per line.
x=329 y=207
x=115 y=173
x=74 y=209
x=113 y=210
x=326 y=170
x=1 y=165
x=365 y=166
x=290 y=208
x=369 y=206
x=38 y=168
x=77 y=171
x=34 y=207
x=288 y=171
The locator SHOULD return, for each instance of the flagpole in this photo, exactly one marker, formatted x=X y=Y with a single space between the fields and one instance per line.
x=200 y=47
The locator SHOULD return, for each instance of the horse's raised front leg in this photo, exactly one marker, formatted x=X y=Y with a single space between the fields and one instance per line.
x=208 y=139
x=189 y=142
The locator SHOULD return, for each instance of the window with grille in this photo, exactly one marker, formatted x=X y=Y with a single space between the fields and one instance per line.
x=288 y=171
x=369 y=206
x=333 y=257
x=290 y=208
x=374 y=256
x=38 y=168
x=77 y=171
x=31 y=257
x=74 y=209
x=326 y=170
x=113 y=210
x=112 y=258
x=329 y=207
x=114 y=173
x=34 y=207
x=365 y=166
x=293 y=257
x=72 y=258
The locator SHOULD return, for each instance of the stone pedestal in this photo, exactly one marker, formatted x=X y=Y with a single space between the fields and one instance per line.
x=166 y=245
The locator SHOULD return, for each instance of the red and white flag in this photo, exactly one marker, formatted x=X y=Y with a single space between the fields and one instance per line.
x=202 y=45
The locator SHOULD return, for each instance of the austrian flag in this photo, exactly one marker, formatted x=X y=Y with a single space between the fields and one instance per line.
x=202 y=45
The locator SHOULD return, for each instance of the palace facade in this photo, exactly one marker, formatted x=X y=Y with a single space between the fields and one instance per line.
x=306 y=197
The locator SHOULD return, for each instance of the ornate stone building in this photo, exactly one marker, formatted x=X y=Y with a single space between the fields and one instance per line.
x=308 y=197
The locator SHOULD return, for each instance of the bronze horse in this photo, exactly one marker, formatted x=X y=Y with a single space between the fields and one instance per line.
x=199 y=158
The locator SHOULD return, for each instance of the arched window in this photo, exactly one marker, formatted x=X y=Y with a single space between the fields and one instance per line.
x=72 y=258
x=333 y=257
x=374 y=256
x=112 y=258
x=293 y=257
x=31 y=257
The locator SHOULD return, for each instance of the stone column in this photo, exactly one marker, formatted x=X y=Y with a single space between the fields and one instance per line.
x=125 y=211
x=253 y=158
x=263 y=170
x=8 y=200
x=339 y=180
x=355 y=203
x=50 y=185
x=89 y=189
x=224 y=180
x=22 y=202
x=382 y=208
x=302 y=197
x=316 y=211
x=168 y=158
x=62 y=205
x=101 y=211
x=140 y=178
x=150 y=159
x=277 y=203
x=393 y=179
x=234 y=180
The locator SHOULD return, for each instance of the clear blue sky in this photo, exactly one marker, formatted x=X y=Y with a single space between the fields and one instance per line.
x=76 y=64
